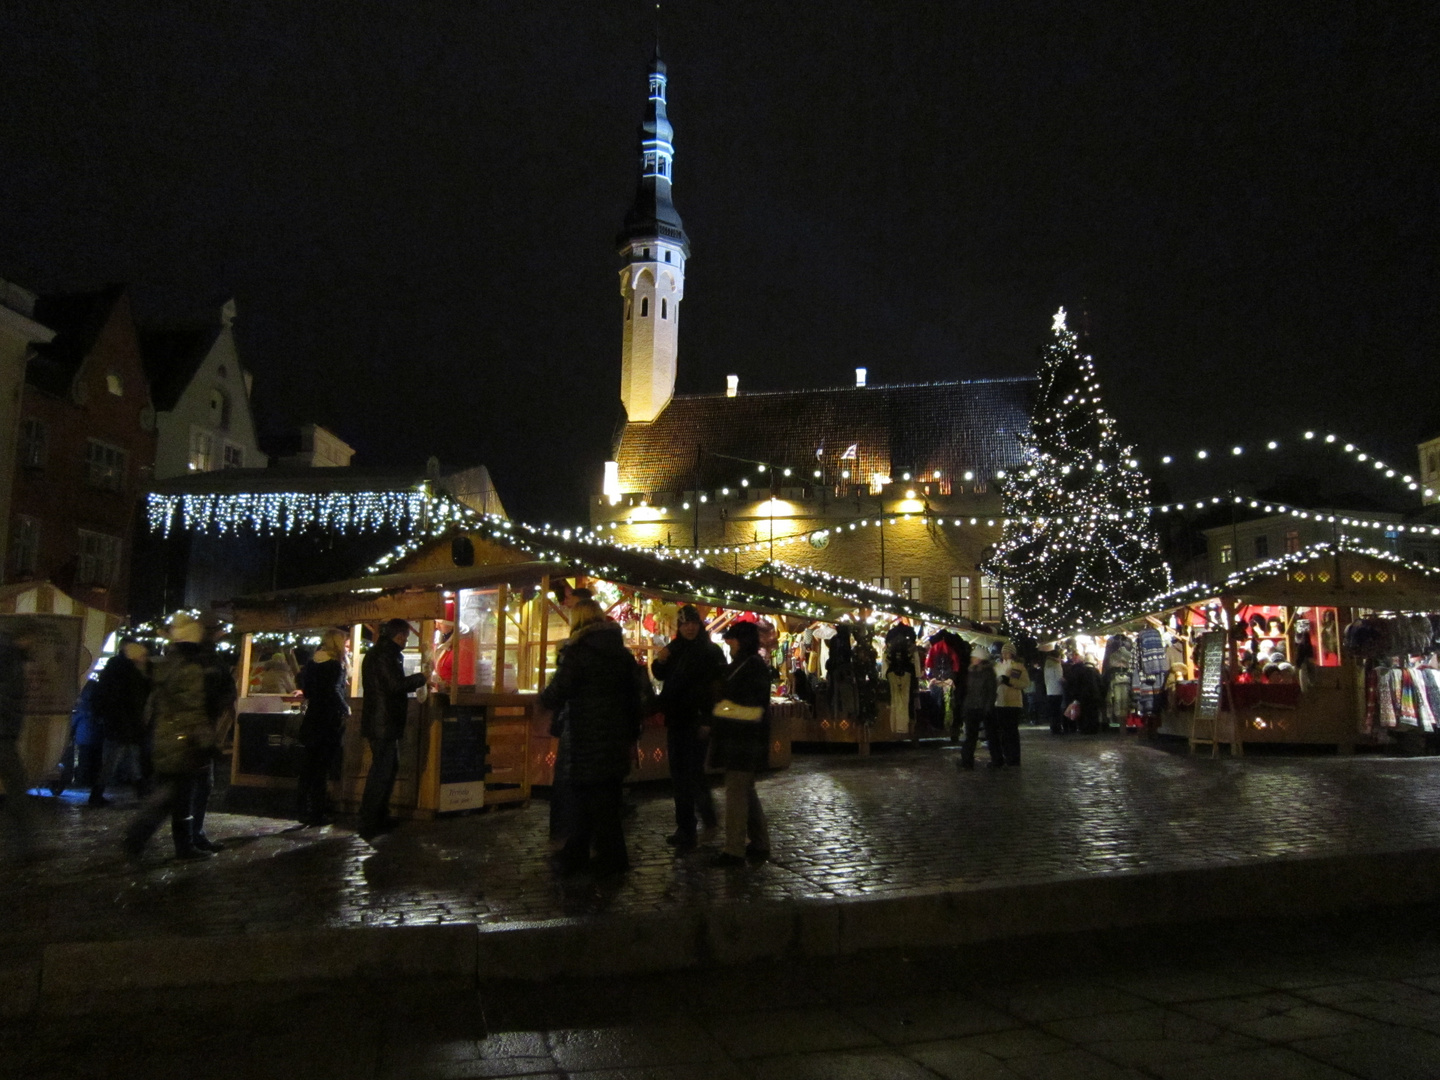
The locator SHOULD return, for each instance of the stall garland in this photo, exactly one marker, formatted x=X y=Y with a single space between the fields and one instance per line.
x=1199 y=590
x=857 y=593
x=274 y=512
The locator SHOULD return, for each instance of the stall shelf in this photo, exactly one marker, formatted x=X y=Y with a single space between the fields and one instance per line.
x=1327 y=585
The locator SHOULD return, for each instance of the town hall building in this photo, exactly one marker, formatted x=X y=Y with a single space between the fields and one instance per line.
x=894 y=486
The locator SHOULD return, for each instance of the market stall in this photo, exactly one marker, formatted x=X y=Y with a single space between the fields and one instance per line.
x=489 y=600
x=1328 y=645
x=838 y=669
x=64 y=638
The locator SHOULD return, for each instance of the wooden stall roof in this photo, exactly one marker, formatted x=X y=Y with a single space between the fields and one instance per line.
x=843 y=595
x=1321 y=575
x=677 y=579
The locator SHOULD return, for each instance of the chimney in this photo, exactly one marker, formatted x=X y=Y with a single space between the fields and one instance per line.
x=732 y=385
x=860 y=378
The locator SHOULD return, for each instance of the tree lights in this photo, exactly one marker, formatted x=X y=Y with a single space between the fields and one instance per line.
x=1073 y=543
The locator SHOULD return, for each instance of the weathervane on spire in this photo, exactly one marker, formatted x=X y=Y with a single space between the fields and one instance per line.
x=1059 y=324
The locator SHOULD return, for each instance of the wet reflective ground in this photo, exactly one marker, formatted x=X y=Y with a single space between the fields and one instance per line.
x=842 y=827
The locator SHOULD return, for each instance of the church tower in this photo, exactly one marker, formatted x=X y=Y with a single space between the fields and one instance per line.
x=654 y=246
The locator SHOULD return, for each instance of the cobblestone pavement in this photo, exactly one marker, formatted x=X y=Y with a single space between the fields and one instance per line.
x=842 y=826
x=1282 y=999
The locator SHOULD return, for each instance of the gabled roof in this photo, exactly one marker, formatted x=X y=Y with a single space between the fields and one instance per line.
x=172 y=357
x=77 y=319
x=842 y=592
x=945 y=426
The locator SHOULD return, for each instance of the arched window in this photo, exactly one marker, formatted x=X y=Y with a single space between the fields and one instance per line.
x=644 y=307
x=664 y=307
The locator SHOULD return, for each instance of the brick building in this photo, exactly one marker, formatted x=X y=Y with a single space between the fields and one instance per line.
x=86 y=445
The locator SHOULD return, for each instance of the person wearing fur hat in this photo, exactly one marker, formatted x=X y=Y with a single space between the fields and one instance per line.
x=324 y=680
x=190 y=696
x=602 y=690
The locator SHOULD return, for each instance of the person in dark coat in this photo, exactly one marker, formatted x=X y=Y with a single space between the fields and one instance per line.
x=742 y=747
x=191 y=698
x=598 y=683
x=119 y=697
x=325 y=682
x=977 y=710
x=18 y=812
x=387 y=690
x=690 y=667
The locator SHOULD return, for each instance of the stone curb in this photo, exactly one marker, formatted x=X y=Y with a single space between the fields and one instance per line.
x=79 y=976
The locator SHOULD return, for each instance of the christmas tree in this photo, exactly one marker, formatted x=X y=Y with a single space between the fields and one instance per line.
x=1077 y=541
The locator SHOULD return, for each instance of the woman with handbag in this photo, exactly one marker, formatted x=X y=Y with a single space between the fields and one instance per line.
x=740 y=744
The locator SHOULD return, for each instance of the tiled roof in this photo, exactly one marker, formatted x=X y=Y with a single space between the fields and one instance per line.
x=946 y=426
x=172 y=356
x=77 y=319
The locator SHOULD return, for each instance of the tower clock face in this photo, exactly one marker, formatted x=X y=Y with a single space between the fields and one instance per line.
x=819 y=541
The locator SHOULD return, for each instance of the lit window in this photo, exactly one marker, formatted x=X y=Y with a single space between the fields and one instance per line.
x=97 y=560
x=880 y=583
x=959 y=595
x=104 y=466
x=202 y=450
x=114 y=385
x=1292 y=541
x=910 y=588
x=34 y=440
x=1227 y=554
x=25 y=546
x=992 y=601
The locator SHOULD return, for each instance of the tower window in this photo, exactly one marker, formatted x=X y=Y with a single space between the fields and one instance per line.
x=664 y=308
x=644 y=253
x=644 y=307
x=662 y=166
x=667 y=256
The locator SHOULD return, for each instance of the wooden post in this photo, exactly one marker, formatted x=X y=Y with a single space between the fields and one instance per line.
x=498 y=684
x=247 y=644
x=544 y=604
x=356 y=637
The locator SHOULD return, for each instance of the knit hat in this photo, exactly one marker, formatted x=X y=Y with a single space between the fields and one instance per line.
x=182 y=626
x=689 y=614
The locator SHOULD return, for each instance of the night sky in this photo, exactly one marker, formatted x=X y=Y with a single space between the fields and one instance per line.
x=414 y=205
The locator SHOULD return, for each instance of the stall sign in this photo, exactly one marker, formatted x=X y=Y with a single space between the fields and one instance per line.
x=462 y=758
x=52 y=659
x=1212 y=668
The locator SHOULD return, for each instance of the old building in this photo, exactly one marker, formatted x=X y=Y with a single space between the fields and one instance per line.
x=892 y=485
x=86 y=443
x=19 y=334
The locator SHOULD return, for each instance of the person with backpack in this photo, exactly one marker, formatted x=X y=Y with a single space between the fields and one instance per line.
x=190 y=698
x=599 y=685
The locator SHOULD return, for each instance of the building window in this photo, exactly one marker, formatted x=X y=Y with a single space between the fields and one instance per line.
x=644 y=307
x=114 y=385
x=959 y=595
x=25 y=546
x=220 y=409
x=234 y=456
x=98 y=560
x=104 y=466
x=1227 y=554
x=1262 y=547
x=662 y=166
x=881 y=583
x=202 y=450
x=910 y=588
x=664 y=308
x=667 y=256
x=1292 y=541
x=992 y=601
x=34 y=442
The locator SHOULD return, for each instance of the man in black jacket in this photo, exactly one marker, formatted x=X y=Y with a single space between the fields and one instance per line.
x=690 y=667
x=382 y=721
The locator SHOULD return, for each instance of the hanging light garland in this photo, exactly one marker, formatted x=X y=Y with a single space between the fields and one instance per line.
x=290 y=512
